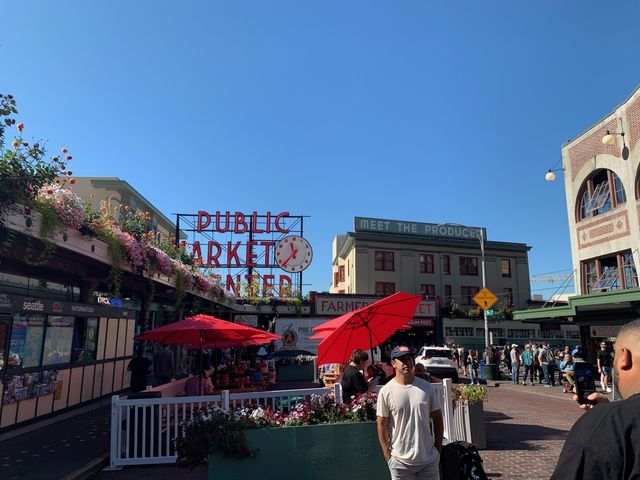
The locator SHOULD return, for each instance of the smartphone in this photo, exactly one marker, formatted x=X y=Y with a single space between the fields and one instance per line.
x=585 y=381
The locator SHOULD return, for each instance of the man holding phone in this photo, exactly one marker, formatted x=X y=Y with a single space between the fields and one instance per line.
x=605 y=442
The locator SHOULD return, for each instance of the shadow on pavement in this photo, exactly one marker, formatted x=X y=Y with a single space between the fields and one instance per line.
x=513 y=436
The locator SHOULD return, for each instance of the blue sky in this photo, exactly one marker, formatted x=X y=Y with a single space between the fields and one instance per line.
x=416 y=110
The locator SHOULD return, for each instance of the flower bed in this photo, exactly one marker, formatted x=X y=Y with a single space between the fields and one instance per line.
x=238 y=435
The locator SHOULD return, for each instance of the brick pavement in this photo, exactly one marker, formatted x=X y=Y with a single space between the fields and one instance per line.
x=526 y=429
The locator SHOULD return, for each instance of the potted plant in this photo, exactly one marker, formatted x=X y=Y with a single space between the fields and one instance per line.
x=311 y=438
x=468 y=413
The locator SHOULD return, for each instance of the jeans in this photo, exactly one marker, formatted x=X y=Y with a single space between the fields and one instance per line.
x=549 y=376
x=400 y=471
x=515 y=373
x=529 y=370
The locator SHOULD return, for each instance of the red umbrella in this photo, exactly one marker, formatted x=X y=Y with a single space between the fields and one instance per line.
x=366 y=327
x=207 y=330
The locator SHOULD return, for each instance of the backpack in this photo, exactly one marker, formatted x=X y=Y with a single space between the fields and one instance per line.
x=461 y=461
x=549 y=356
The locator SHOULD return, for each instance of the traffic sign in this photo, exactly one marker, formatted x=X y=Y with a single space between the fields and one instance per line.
x=489 y=312
x=485 y=299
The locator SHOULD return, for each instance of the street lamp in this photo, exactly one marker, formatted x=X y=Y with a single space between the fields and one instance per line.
x=480 y=235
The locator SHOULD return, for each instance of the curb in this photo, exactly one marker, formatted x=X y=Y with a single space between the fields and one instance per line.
x=89 y=469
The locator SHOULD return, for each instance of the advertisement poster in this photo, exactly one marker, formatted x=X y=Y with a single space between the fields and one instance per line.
x=296 y=332
x=26 y=341
x=57 y=343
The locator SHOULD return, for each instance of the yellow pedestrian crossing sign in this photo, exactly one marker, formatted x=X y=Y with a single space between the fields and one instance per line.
x=485 y=298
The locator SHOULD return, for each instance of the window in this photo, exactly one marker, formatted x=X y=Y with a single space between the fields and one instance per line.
x=57 y=341
x=428 y=290
x=467 y=294
x=447 y=291
x=572 y=334
x=341 y=271
x=520 y=333
x=596 y=197
x=385 y=288
x=551 y=334
x=85 y=336
x=609 y=273
x=336 y=278
x=384 y=261
x=505 y=266
x=458 y=331
x=629 y=271
x=426 y=263
x=468 y=265
x=496 y=332
x=446 y=265
x=25 y=346
x=507 y=295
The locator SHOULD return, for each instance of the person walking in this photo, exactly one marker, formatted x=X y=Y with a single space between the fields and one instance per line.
x=546 y=357
x=405 y=406
x=515 y=364
x=605 y=363
x=353 y=381
x=163 y=365
x=537 y=369
x=472 y=367
x=529 y=366
x=605 y=443
x=140 y=367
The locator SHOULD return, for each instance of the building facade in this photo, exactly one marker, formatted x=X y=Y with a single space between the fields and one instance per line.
x=601 y=170
x=117 y=192
x=444 y=263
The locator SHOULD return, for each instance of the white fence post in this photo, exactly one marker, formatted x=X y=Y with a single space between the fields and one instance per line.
x=115 y=432
x=447 y=408
x=224 y=399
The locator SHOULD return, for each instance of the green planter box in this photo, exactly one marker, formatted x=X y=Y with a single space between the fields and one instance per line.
x=289 y=373
x=344 y=450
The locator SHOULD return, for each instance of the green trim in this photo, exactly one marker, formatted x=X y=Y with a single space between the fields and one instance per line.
x=593 y=299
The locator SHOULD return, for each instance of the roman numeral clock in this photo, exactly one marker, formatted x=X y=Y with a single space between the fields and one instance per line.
x=293 y=254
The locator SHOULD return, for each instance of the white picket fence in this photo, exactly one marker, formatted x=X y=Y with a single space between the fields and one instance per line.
x=143 y=430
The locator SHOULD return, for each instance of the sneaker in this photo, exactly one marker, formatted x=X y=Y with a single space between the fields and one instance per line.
x=547 y=386
x=608 y=390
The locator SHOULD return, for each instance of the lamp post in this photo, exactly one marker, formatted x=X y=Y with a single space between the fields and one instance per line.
x=480 y=236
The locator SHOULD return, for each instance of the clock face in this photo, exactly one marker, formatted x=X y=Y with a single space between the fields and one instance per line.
x=293 y=254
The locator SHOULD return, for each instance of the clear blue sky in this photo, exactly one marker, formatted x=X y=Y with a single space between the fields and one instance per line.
x=415 y=110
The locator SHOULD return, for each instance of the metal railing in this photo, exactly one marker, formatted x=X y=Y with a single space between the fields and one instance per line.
x=143 y=430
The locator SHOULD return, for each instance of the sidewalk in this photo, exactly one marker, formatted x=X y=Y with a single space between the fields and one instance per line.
x=526 y=428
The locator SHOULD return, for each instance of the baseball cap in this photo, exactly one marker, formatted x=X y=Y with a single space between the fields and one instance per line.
x=514 y=345
x=576 y=350
x=401 y=351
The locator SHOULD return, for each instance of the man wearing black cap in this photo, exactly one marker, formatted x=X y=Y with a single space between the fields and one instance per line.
x=405 y=406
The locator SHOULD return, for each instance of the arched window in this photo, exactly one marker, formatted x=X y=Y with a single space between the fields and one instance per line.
x=600 y=193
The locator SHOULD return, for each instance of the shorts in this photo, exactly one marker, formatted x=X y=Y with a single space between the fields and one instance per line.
x=607 y=371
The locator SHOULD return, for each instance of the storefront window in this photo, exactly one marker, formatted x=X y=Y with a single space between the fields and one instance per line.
x=58 y=339
x=85 y=336
x=5 y=326
x=25 y=346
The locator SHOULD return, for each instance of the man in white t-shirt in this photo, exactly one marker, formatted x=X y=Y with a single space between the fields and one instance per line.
x=405 y=406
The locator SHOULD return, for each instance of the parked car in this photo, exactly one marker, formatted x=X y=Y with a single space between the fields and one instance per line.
x=439 y=362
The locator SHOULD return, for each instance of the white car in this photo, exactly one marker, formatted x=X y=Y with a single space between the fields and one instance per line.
x=439 y=362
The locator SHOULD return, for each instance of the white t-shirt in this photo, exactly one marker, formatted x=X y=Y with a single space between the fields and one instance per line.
x=409 y=408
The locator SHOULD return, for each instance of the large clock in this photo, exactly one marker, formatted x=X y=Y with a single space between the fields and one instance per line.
x=293 y=254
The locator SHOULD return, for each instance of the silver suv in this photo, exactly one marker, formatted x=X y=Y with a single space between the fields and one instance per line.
x=439 y=362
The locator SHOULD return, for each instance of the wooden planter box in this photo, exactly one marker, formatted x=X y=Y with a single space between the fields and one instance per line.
x=291 y=373
x=344 y=450
x=469 y=423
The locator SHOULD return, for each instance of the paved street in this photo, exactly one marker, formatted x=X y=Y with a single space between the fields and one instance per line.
x=526 y=428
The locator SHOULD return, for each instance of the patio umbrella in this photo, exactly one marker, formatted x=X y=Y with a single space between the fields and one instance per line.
x=366 y=327
x=204 y=331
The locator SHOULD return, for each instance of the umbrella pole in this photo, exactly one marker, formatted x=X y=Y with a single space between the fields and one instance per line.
x=200 y=373
x=371 y=346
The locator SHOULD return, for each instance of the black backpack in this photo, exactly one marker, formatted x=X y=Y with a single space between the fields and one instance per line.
x=461 y=461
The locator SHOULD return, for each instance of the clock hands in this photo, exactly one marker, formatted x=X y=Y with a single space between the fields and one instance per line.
x=290 y=257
